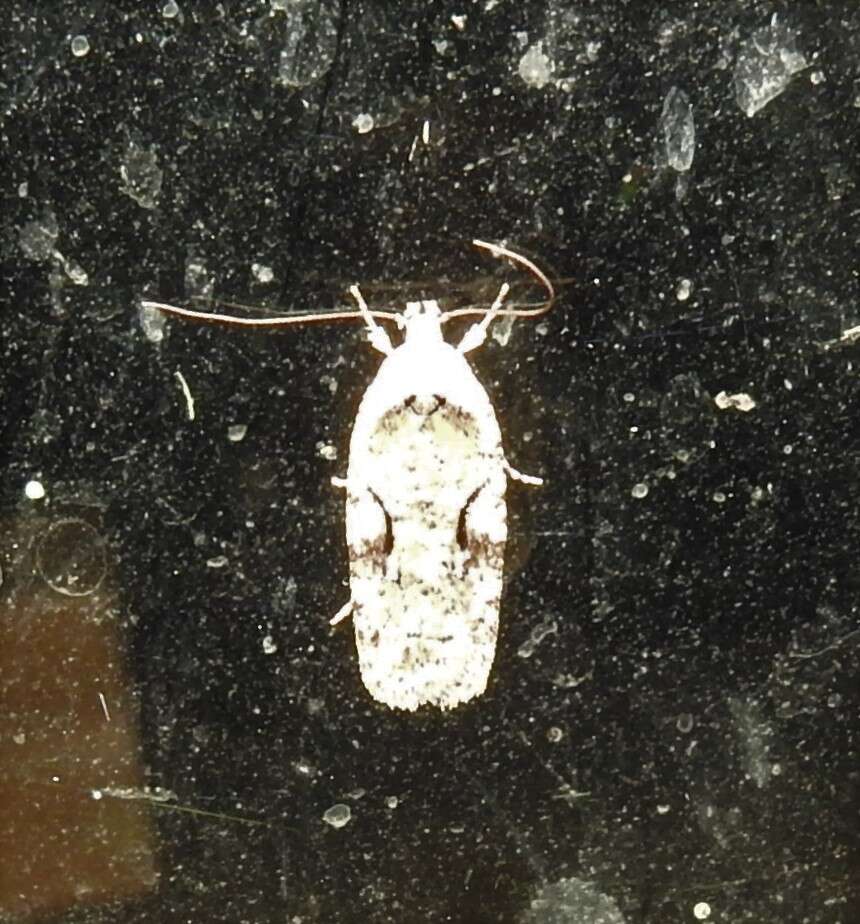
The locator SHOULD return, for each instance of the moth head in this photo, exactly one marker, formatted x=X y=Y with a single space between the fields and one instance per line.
x=422 y=321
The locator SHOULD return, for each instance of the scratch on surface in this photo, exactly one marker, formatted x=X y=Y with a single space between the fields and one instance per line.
x=189 y=398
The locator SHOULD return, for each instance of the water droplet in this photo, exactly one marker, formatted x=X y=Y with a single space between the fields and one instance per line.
x=34 y=490
x=70 y=557
x=80 y=46
x=363 y=123
x=338 y=815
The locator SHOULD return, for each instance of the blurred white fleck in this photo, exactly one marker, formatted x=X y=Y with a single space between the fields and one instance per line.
x=554 y=734
x=719 y=497
x=186 y=391
x=572 y=900
x=425 y=131
x=311 y=31
x=80 y=46
x=502 y=329
x=535 y=67
x=391 y=802
x=141 y=175
x=38 y=238
x=34 y=490
x=639 y=490
x=629 y=397
x=218 y=561
x=236 y=432
x=170 y=10
x=788 y=449
x=701 y=911
x=684 y=723
x=23 y=189
x=338 y=815
x=754 y=734
x=363 y=123
x=104 y=706
x=741 y=401
x=765 y=65
x=817 y=77
x=459 y=21
x=685 y=287
x=678 y=130
x=152 y=323
x=262 y=273
x=75 y=272
x=538 y=634
x=269 y=646
x=199 y=280
x=327 y=451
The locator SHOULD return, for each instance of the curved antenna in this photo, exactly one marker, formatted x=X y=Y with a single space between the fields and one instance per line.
x=498 y=251
x=283 y=321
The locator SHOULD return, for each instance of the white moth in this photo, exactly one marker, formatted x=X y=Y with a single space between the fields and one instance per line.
x=426 y=520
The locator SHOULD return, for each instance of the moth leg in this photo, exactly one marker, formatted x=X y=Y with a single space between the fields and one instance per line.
x=342 y=613
x=519 y=476
x=339 y=482
x=378 y=338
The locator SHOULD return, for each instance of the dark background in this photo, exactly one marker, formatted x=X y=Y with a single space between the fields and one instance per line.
x=672 y=716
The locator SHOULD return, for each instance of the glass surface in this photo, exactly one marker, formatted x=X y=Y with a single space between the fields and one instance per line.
x=670 y=728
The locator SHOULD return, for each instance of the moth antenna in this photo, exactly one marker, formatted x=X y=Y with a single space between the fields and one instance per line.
x=378 y=338
x=498 y=251
x=209 y=317
x=477 y=333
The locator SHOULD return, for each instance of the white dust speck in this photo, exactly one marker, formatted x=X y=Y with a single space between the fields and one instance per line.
x=34 y=490
x=554 y=734
x=766 y=63
x=219 y=561
x=152 y=323
x=685 y=287
x=678 y=130
x=338 y=815
x=391 y=802
x=262 y=273
x=327 y=451
x=363 y=123
x=639 y=490
x=170 y=10
x=236 y=432
x=740 y=402
x=269 y=646
x=535 y=67
x=80 y=46
x=458 y=20
x=719 y=497
x=701 y=911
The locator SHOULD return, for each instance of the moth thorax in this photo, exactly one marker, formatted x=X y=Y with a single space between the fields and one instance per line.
x=421 y=320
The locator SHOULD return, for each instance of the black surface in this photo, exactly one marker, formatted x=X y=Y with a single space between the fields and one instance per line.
x=688 y=732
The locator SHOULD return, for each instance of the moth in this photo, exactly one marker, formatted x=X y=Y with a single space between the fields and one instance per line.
x=426 y=518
